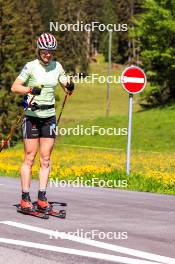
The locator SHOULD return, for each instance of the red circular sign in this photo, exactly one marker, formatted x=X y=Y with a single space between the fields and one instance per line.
x=133 y=80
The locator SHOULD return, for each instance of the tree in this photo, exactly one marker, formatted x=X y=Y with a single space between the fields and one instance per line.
x=156 y=30
x=125 y=10
x=20 y=24
x=109 y=17
x=72 y=45
x=95 y=13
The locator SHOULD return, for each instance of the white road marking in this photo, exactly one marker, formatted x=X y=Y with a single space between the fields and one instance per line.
x=76 y=252
x=124 y=250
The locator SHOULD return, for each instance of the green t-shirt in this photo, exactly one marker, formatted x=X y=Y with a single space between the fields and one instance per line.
x=35 y=73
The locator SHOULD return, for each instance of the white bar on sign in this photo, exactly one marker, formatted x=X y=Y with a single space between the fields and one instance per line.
x=126 y=79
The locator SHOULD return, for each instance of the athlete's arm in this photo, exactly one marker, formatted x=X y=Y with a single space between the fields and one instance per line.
x=19 y=88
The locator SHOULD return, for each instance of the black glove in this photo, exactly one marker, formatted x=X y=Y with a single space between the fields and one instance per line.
x=70 y=86
x=35 y=91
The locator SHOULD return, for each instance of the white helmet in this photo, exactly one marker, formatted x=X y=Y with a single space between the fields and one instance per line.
x=47 y=42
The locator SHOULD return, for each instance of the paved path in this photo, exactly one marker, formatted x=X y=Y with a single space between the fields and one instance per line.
x=145 y=221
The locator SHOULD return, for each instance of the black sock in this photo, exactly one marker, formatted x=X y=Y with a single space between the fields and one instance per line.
x=26 y=196
x=42 y=195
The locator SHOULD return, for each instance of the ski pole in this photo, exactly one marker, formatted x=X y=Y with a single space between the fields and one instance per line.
x=63 y=104
x=15 y=125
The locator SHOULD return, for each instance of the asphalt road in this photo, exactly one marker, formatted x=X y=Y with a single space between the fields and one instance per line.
x=143 y=222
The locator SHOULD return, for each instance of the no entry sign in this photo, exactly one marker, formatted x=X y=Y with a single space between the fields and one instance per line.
x=133 y=79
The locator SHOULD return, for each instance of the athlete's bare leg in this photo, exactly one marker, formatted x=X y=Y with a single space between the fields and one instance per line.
x=30 y=150
x=46 y=146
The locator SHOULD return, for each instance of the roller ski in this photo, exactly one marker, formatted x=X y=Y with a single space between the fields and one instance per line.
x=43 y=206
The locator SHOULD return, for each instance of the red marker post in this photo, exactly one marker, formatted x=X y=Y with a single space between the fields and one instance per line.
x=133 y=80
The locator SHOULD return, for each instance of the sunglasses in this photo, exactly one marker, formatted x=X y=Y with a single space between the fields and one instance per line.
x=45 y=52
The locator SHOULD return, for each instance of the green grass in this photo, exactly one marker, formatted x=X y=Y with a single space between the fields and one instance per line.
x=152 y=130
x=135 y=182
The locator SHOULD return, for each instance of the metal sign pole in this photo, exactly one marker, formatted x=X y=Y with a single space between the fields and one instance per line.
x=129 y=135
x=109 y=72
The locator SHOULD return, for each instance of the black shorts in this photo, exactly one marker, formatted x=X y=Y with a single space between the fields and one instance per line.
x=36 y=127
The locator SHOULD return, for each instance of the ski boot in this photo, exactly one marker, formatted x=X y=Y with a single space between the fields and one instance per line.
x=42 y=203
x=25 y=204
